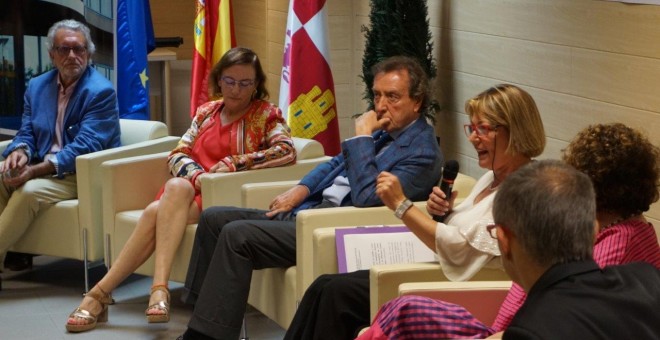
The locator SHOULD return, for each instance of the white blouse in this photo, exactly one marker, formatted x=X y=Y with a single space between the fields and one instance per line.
x=463 y=244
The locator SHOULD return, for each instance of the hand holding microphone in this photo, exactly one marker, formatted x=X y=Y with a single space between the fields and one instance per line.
x=449 y=174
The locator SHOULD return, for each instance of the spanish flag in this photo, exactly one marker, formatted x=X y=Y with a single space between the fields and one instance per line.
x=214 y=35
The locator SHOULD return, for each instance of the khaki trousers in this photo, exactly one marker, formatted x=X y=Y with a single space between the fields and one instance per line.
x=19 y=206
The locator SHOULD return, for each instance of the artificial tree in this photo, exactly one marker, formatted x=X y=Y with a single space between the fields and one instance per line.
x=398 y=27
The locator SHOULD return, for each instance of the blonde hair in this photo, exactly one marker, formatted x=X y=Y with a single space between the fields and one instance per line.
x=511 y=107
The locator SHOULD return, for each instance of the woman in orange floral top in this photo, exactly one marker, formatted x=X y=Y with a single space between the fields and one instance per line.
x=240 y=131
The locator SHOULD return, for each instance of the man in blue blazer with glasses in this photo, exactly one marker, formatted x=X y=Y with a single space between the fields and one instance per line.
x=68 y=111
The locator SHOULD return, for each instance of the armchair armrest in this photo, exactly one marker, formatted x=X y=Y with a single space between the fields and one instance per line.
x=259 y=195
x=324 y=250
x=223 y=189
x=121 y=177
x=482 y=298
x=384 y=280
x=90 y=178
x=309 y=220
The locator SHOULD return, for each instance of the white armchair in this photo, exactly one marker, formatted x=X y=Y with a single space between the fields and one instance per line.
x=73 y=228
x=276 y=291
x=481 y=298
x=123 y=204
x=384 y=280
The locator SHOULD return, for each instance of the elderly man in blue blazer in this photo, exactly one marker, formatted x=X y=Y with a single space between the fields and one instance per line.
x=68 y=111
x=231 y=242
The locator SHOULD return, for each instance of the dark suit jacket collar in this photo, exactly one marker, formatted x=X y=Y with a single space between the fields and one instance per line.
x=559 y=272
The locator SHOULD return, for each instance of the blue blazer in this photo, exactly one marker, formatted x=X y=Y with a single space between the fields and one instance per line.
x=91 y=120
x=414 y=157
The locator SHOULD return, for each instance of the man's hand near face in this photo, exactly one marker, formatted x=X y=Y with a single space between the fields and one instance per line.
x=368 y=123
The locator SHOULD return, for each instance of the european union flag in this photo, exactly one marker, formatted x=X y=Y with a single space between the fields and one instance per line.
x=135 y=39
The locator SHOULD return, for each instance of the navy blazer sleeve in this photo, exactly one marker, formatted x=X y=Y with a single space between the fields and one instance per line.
x=417 y=166
x=414 y=157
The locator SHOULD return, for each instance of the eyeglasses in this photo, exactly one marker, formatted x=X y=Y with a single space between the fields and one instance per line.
x=492 y=230
x=480 y=129
x=64 y=51
x=231 y=82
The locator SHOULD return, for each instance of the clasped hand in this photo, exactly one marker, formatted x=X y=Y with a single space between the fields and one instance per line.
x=219 y=167
x=15 y=169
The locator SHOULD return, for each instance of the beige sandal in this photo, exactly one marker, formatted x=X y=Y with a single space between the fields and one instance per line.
x=104 y=299
x=161 y=305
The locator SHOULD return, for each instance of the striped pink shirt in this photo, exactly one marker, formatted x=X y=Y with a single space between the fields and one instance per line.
x=631 y=241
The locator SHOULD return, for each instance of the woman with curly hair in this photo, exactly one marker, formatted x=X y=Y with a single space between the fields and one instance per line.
x=624 y=167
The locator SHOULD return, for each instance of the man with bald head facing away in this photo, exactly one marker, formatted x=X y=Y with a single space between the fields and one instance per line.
x=231 y=242
x=545 y=224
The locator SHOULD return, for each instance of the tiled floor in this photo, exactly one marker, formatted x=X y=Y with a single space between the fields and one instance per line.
x=34 y=304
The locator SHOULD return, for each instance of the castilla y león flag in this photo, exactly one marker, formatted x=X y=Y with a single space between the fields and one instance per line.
x=307 y=91
x=214 y=35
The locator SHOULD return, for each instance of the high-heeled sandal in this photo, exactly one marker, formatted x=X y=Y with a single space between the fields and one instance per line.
x=163 y=306
x=104 y=299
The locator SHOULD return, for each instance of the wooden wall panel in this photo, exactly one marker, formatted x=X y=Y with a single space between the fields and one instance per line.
x=173 y=18
x=250 y=13
x=599 y=25
x=583 y=61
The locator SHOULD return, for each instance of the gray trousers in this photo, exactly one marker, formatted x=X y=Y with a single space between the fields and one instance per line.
x=229 y=244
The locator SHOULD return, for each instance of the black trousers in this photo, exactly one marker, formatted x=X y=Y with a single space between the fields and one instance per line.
x=335 y=306
x=229 y=244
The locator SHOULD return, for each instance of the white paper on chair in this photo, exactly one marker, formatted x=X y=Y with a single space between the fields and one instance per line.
x=362 y=247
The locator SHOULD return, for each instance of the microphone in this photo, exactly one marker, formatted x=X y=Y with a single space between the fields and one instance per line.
x=449 y=174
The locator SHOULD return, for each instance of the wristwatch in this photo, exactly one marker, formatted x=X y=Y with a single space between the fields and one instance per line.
x=402 y=208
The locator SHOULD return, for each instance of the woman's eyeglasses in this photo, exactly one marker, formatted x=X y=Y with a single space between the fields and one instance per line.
x=231 y=82
x=64 y=51
x=480 y=129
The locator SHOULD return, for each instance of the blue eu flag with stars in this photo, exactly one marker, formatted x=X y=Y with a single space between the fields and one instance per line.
x=135 y=39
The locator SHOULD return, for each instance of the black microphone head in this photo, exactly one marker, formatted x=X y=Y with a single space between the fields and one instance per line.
x=450 y=170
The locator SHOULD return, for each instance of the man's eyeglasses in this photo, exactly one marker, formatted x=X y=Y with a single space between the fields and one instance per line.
x=492 y=230
x=480 y=129
x=64 y=51
x=231 y=82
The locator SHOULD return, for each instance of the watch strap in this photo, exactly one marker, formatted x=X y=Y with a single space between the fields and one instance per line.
x=402 y=208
